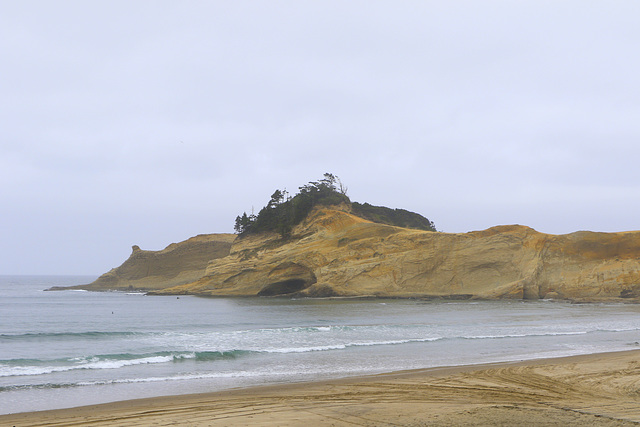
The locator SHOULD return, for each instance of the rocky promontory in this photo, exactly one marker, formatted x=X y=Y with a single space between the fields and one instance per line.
x=334 y=253
x=177 y=264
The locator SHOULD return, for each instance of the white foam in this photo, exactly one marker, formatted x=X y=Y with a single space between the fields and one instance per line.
x=541 y=334
x=93 y=363
x=346 y=345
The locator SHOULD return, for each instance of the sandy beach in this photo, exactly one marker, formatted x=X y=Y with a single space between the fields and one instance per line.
x=598 y=389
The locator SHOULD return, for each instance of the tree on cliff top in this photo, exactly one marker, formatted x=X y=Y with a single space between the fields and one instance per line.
x=283 y=212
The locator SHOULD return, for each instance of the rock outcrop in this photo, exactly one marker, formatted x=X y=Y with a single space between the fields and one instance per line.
x=177 y=264
x=335 y=253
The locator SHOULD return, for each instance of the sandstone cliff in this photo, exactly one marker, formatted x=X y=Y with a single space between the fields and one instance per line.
x=334 y=253
x=177 y=264
x=339 y=254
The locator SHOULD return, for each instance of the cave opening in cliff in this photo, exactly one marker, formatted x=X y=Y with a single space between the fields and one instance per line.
x=284 y=287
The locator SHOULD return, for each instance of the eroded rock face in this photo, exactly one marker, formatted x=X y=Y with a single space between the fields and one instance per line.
x=288 y=278
x=334 y=253
x=338 y=254
x=177 y=264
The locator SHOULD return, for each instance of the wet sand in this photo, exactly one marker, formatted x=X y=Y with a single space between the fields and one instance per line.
x=599 y=389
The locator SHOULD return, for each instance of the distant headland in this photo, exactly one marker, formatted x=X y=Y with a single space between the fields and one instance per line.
x=318 y=243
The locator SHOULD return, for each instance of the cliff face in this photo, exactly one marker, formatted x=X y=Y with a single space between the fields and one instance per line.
x=335 y=253
x=177 y=264
x=339 y=254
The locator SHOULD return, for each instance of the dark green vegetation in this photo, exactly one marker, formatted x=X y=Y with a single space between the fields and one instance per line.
x=397 y=217
x=283 y=212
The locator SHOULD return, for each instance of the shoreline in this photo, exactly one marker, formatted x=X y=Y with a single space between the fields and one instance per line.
x=598 y=389
x=415 y=297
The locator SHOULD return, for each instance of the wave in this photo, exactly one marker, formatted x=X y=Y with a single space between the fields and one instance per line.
x=96 y=335
x=546 y=334
x=342 y=346
x=178 y=377
x=313 y=330
x=396 y=327
x=533 y=335
x=347 y=345
x=247 y=346
x=34 y=367
x=306 y=329
x=68 y=335
x=27 y=367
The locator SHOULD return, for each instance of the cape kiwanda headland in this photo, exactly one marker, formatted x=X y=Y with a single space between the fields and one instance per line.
x=334 y=252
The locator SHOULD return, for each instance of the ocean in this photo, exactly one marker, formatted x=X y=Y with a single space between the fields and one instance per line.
x=70 y=348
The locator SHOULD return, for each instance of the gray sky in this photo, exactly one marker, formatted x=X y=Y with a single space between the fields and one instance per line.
x=148 y=122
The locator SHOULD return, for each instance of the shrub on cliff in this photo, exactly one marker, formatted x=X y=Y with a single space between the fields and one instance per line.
x=397 y=217
x=283 y=212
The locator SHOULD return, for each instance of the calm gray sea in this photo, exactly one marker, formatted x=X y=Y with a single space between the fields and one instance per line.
x=71 y=348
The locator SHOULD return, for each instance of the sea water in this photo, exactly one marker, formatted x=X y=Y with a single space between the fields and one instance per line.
x=70 y=348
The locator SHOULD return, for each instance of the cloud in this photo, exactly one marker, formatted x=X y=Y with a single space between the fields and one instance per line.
x=147 y=122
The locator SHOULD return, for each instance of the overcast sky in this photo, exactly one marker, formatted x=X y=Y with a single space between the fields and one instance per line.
x=148 y=122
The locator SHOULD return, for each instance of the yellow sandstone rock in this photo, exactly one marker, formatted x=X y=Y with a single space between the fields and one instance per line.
x=334 y=253
x=176 y=264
